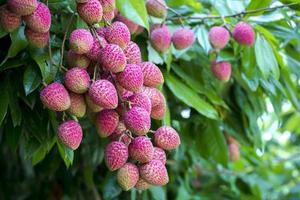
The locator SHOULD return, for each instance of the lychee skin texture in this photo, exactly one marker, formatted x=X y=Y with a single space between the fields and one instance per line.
x=81 y=41
x=141 y=149
x=95 y=52
x=131 y=78
x=244 y=34
x=91 y=105
x=55 y=97
x=101 y=31
x=127 y=176
x=234 y=152
x=183 y=38
x=119 y=134
x=140 y=100
x=70 y=134
x=108 y=16
x=108 y=5
x=91 y=12
x=154 y=172
x=133 y=53
x=221 y=70
x=116 y=155
x=130 y=24
x=9 y=20
x=35 y=39
x=77 y=60
x=113 y=58
x=152 y=74
x=158 y=102
x=160 y=39
x=78 y=106
x=104 y=94
x=137 y=120
x=159 y=154
x=22 y=7
x=40 y=19
x=166 y=138
x=156 y=8
x=118 y=34
x=218 y=37
x=107 y=122
x=77 y=80
x=142 y=184
x=158 y=112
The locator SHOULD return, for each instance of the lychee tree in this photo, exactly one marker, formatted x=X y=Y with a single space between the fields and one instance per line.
x=149 y=99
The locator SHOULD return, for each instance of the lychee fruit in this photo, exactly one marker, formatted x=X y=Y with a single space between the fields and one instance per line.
x=107 y=122
x=133 y=53
x=77 y=80
x=82 y=1
x=154 y=172
x=55 y=97
x=141 y=149
x=91 y=105
x=137 y=120
x=160 y=39
x=140 y=100
x=78 y=106
x=120 y=134
x=218 y=37
x=234 y=151
x=95 y=52
x=81 y=41
x=159 y=154
x=118 y=34
x=158 y=102
x=104 y=94
x=158 y=112
x=166 y=138
x=91 y=12
x=40 y=19
x=152 y=74
x=116 y=155
x=125 y=94
x=101 y=31
x=157 y=8
x=108 y=16
x=9 y=20
x=130 y=24
x=22 y=7
x=131 y=78
x=77 y=60
x=70 y=134
x=113 y=58
x=221 y=70
x=108 y=5
x=127 y=176
x=183 y=38
x=142 y=184
x=244 y=34
x=35 y=39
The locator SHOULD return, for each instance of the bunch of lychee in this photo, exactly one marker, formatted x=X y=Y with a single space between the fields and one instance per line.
x=36 y=16
x=107 y=78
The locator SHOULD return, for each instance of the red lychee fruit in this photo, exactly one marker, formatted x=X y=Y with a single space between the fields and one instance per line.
x=9 y=20
x=131 y=78
x=127 y=176
x=81 y=41
x=158 y=102
x=91 y=105
x=95 y=52
x=183 y=38
x=141 y=149
x=113 y=58
x=159 y=154
x=142 y=184
x=244 y=34
x=137 y=120
x=77 y=80
x=154 y=172
x=120 y=134
x=152 y=74
x=130 y=24
x=116 y=155
x=22 y=7
x=221 y=70
x=77 y=60
x=158 y=112
x=108 y=5
x=218 y=37
x=78 y=106
x=35 y=39
x=101 y=31
x=140 y=100
x=166 y=138
x=118 y=34
x=107 y=122
x=157 y=8
x=91 y=12
x=133 y=53
x=160 y=38
x=70 y=134
x=108 y=16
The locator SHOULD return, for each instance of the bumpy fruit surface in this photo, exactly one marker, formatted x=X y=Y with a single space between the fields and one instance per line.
x=22 y=7
x=91 y=12
x=158 y=102
x=130 y=24
x=166 y=138
x=133 y=53
x=140 y=100
x=101 y=31
x=221 y=70
x=55 y=97
x=70 y=134
x=119 y=134
x=78 y=106
x=9 y=20
x=108 y=5
x=81 y=41
x=131 y=78
x=158 y=112
x=118 y=34
x=113 y=58
x=183 y=38
x=159 y=154
x=142 y=184
x=108 y=16
x=234 y=151
x=104 y=94
x=244 y=34
x=107 y=122
x=77 y=60
x=156 y=8
x=116 y=155
x=127 y=176
x=91 y=104
x=160 y=39
x=154 y=172
x=95 y=52
x=40 y=19
x=218 y=37
x=35 y=39
x=77 y=80
x=141 y=149
x=137 y=120
x=152 y=74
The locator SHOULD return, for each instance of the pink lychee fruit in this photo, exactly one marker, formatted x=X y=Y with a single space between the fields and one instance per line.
x=183 y=38
x=131 y=78
x=127 y=176
x=91 y=105
x=77 y=60
x=104 y=94
x=70 y=134
x=157 y=8
x=108 y=5
x=159 y=154
x=130 y=24
x=166 y=138
x=133 y=53
x=158 y=102
x=118 y=34
x=142 y=184
x=152 y=74
x=81 y=41
x=107 y=122
x=77 y=80
x=137 y=120
x=154 y=172
x=218 y=37
x=91 y=12
x=160 y=39
x=35 y=39
x=159 y=112
x=101 y=31
x=113 y=58
x=141 y=149
x=116 y=155
x=244 y=34
x=221 y=70
x=108 y=16
x=125 y=94
x=9 y=20
x=22 y=7
x=55 y=97
x=120 y=134
x=78 y=106
x=95 y=52
x=140 y=100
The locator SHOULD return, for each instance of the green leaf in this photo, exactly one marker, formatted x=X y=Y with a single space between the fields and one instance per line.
x=190 y=97
x=38 y=155
x=15 y=109
x=192 y=3
x=256 y=4
x=157 y=193
x=19 y=42
x=134 y=10
x=66 y=153
x=202 y=37
x=3 y=101
x=2 y=32
x=31 y=79
x=153 y=56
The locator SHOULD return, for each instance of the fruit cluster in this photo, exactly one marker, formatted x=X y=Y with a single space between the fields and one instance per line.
x=107 y=77
x=35 y=14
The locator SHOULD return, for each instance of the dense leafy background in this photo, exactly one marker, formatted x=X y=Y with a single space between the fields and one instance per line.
x=259 y=106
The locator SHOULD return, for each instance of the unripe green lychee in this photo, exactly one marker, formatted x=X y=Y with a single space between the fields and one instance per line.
x=152 y=74
x=133 y=53
x=107 y=122
x=160 y=39
x=137 y=120
x=77 y=80
x=166 y=138
x=159 y=154
x=140 y=100
x=219 y=37
x=154 y=172
x=9 y=20
x=118 y=34
x=22 y=7
x=91 y=105
x=183 y=38
x=108 y=5
x=35 y=39
x=127 y=176
x=221 y=70
x=78 y=106
x=157 y=8
x=70 y=134
x=113 y=58
x=141 y=149
x=142 y=184
x=81 y=41
x=116 y=155
x=131 y=78
x=91 y=12
x=95 y=52
x=77 y=60
x=244 y=34
x=130 y=24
